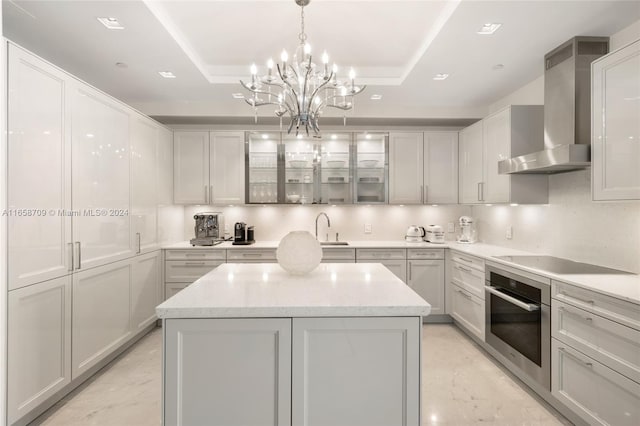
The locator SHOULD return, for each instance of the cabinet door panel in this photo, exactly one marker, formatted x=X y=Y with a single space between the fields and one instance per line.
x=39 y=358
x=226 y=175
x=206 y=379
x=145 y=289
x=164 y=169
x=616 y=127
x=426 y=277
x=398 y=267
x=440 y=168
x=101 y=301
x=191 y=167
x=144 y=215
x=39 y=170
x=100 y=169
x=171 y=289
x=497 y=141
x=468 y=310
x=405 y=168
x=356 y=371
x=471 y=164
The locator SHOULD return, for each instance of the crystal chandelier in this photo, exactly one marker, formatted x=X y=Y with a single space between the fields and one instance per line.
x=300 y=88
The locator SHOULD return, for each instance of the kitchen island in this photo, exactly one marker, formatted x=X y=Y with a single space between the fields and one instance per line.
x=253 y=345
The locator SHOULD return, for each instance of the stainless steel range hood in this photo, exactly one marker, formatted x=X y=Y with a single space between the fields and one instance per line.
x=567 y=110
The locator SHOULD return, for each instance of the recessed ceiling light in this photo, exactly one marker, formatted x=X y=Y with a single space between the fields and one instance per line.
x=334 y=137
x=111 y=23
x=238 y=95
x=440 y=76
x=376 y=97
x=265 y=136
x=497 y=67
x=166 y=74
x=489 y=28
x=367 y=136
x=121 y=65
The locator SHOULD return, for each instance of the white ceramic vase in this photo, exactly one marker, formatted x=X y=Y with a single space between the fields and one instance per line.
x=299 y=253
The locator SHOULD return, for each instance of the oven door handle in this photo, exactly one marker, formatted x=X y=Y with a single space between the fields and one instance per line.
x=530 y=307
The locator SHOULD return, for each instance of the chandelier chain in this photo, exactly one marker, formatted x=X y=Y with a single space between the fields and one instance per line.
x=302 y=36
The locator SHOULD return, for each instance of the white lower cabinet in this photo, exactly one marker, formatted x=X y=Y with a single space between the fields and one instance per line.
x=177 y=271
x=39 y=342
x=468 y=310
x=356 y=371
x=598 y=394
x=146 y=289
x=394 y=260
x=216 y=386
x=171 y=289
x=426 y=277
x=101 y=320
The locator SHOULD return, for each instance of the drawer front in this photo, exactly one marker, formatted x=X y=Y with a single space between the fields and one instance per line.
x=621 y=311
x=187 y=272
x=195 y=254
x=377 y=254
x=428 y=254
x=468 y=278
x=593 y=391
x=398 y=267
x=171 y=289
x=338 y=254
x=468 y=310
x=469 y=261
x=251 y=255
x=613 y=344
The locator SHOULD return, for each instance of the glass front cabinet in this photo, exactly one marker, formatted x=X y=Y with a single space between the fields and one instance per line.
x=335 y=168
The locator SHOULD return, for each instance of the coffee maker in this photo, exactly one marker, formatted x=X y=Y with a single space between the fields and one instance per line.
x=209 y=229
x=242 y=234
x=467 y=234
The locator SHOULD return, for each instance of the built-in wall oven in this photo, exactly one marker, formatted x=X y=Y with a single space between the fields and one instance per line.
x=518 y=321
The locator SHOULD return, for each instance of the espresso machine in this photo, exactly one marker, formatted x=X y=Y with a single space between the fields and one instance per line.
x=467 y=234
x=209 y=229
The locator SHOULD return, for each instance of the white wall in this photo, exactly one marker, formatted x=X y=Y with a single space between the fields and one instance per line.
x=388 y=222
x=571 y=225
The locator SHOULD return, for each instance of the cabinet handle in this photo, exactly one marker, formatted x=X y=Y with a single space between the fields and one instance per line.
x=139 y=243
x=465 y=260
x=79 y=254
x=587 y=363
x=211 y=194
x=194 y=263
x=478 y=192
x=464 y=269
x=195 y=254
x=563 y=309
x=421 y=194
x=589 y=302
x=426 y=193
x=206 y=194
x=467 y=296
x=482 y=191
x=251 y=255
x=410 y=271
x=70 y=253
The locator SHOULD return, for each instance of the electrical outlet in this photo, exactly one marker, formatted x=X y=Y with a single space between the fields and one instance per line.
x=509 y=232
x=367 y=228
x=451 y=227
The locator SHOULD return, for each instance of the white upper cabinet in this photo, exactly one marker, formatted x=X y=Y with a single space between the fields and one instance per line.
x=615 y=118
x=100 y=169
x=191 y=167
x=39 y=171
x=423 y=168
x=471 y=164
x=510 y=132
x=440 y=167
x=144 y=215
x=226 y=168
x=165 y=167
x=405 y=168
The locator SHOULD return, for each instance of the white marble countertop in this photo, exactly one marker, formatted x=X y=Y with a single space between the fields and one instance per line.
x=266 y=290
x=626 y=287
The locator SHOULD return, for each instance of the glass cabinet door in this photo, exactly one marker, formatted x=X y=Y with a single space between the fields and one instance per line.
x=336 y=177
x=371 y=168
x=300 y=169
x=262 y=167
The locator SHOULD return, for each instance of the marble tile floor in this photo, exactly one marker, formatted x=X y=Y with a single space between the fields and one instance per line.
x=461 y=386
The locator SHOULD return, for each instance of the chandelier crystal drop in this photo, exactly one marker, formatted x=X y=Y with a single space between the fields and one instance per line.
x=299 y=88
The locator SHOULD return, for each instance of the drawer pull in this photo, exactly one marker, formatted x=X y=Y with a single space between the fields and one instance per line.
x=467 y=296
x=465 y=260
x=589 y=302
x=464 y=269
x=563 y=309
x=195 y=254
x=251 y=254
x=587 y=363
x=194 y=263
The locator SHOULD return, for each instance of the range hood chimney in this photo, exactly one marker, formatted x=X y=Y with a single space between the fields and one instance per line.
x=567 y=110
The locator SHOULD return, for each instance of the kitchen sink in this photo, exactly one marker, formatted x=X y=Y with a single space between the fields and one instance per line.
x=334 y=243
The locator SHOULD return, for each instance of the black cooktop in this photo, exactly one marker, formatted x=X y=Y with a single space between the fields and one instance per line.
x=558 y=265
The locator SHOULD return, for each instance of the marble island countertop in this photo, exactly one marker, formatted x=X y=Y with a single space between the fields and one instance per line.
x=267 y=290
x=623 y=286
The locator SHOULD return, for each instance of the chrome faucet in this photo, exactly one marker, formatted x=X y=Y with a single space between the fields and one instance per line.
x=318 y=217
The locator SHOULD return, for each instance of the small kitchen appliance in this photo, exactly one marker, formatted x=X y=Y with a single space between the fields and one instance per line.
x=209 y=229
x=434 y=234
x=414 y=234
x=243 y=235
x=467 y=234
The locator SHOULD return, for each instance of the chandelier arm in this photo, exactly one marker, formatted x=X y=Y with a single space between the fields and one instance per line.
x=246 y=86
x=357 y=92
x=318 y=89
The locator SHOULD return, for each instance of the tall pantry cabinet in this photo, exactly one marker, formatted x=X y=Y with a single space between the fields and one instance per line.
x=81 y=204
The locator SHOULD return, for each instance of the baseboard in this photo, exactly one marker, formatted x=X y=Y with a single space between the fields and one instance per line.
x=41 y=410
x=437 y=319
